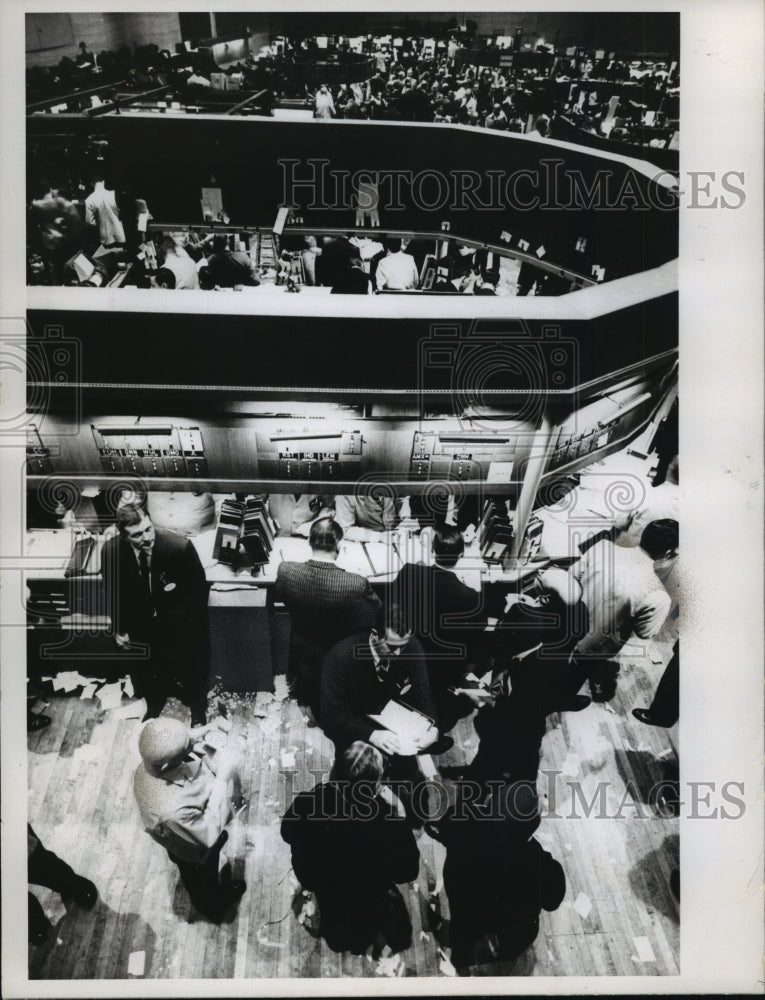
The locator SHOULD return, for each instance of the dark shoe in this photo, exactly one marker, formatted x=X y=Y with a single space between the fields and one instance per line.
x=230 y=893
x=38 y=925
x=83 y=892
x=577 y=703
x=442 y=744
x=37 y=722
x=644 y=715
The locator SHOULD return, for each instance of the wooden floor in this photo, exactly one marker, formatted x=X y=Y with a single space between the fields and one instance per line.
x=618 y=918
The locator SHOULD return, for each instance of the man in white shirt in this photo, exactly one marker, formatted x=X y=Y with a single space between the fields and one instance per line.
x=622 y=592
x=397 y=271
x=101 y=210
x=180 y=263
x=623 y=595
x=659 y=502
x=184 y=791
x=325 y=106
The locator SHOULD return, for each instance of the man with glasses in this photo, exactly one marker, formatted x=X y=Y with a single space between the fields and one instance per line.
x=362 y=673
x=156 y=596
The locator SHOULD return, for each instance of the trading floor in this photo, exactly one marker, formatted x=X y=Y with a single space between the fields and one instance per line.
x=352 y=624
x=619 y=916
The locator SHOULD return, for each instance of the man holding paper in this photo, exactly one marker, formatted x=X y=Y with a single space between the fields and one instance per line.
x=365 y=672
x=184 y=787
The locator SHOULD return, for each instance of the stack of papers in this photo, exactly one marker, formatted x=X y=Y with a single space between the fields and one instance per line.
x=406 y=723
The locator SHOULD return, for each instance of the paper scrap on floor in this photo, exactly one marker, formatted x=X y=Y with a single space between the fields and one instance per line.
x=644 y=949
x=87 y=752
x=136 y=963
x=135 y=710
x=583 y=905
x=445 y=966
x=405 y=723
x=110 y=695
x=88 y=691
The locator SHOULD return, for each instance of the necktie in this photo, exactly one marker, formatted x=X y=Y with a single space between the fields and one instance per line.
x=143 y=564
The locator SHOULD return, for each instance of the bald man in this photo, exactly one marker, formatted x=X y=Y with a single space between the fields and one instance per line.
x=183 y=789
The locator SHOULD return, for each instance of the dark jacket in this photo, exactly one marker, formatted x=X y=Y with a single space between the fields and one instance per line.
x=497 y=880
x=326 y=603
x=350 y=688
x=350 y=859
x=178 y=593
x=445 y=615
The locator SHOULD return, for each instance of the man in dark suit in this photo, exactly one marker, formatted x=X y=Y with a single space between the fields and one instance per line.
x=363 y=672
x=326 y=603
x=351 y=845
x=156 y=596
x=497 y=875
x=446 y=616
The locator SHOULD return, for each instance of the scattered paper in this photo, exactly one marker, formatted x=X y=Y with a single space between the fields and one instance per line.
x=445 y=966
x=391 y=966
x=309 y=749
x=664 y=754
x=110 y=695
x=306 y=720
x=86 y=753
x=127 y=686
x=272 y=762
x=280 y=687
x=583 y=905
x=644 y=949
x=136 y=710
x=288 y=760
x=88 y=691
x=136 y=963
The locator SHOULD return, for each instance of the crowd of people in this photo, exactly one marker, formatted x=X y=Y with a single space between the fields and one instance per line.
x=77 y=213
x=407 y=83
x=433 y=651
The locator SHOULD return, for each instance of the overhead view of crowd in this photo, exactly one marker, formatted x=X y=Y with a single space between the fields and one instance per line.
x=387 y=678
x=415 y=81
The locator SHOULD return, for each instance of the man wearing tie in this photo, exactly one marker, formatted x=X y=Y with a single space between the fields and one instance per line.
x=156 y=596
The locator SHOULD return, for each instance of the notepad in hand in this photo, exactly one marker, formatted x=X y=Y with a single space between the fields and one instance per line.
x=406 y=723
